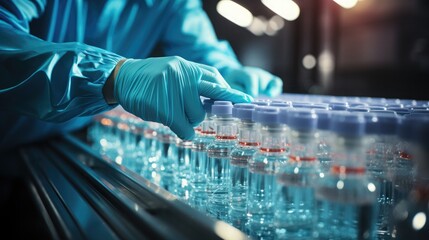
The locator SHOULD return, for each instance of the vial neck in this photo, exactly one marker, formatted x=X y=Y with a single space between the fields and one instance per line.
x=348 y=155
x=226 y=128
x=303 y=146
x=248 y=134
x=273 y=139
x=207 y=128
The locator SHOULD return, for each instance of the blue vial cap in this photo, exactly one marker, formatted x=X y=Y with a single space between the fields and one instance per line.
x=338 y=106
x=398 y=110
x=280 y=101
x=222 y=108
x=358 y=109
x=300 y=104
x=348 y=124
x=284 y=115
x=358 y=104
x=395 y=105
x=280 y=104
x=318 y=106
x=381 y=123
x=406 y=126
x=240 y=105
x=323 y=119
x=376 y=107
x=262 y=102
x=259 y=109
x=243 y=111
x=267 y=115
x=302 y=120
x=207 y=105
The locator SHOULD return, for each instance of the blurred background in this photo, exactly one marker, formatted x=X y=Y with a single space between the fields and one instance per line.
x=375 y=48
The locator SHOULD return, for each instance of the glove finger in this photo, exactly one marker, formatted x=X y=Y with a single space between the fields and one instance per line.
x=251 y=84
x=275 y=87
x=269 y=84
x=193 y=108
x=238 y=87
x=176 y=119
x=218 y=92
x=183 y=129
x=211 y=74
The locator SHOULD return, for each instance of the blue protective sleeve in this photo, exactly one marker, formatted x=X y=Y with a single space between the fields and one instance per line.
x=49 y=81
x=190 y=35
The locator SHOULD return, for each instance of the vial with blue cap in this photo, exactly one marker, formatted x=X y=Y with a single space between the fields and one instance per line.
x=346 y=198
x=166 y=141
x=381 y=131
x=248 y=143
x=129 y=131
x=109 y=140
x=403 y=164
x=272 y=154
x=218 y=152
x=137 y=131
x=410 y=216
x=151 y=158
x=324 y=139
x=339 y=106
x=295 y=204
x=404 y=172
x=181 y=154
x=199 y=159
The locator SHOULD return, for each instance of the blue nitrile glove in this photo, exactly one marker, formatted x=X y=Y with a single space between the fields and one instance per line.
x=167 y=90
x=253 y=81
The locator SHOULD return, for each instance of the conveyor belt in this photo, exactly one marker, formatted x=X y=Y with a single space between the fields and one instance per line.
x=82 y=196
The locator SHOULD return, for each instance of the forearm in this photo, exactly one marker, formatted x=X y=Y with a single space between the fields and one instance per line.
x=52 y=81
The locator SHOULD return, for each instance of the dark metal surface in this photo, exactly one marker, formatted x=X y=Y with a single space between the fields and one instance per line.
x=82 y=196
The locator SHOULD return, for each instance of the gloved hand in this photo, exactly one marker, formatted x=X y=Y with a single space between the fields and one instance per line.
x=253 y=81
x=167 y=90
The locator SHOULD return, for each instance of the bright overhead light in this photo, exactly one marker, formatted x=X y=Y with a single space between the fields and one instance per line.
x=286 y=9
x=235 y=13
x=419 y=221
x=258 y=26
x=309 y=61
x=346 y=3
x=276 y=23
x=326 y=62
